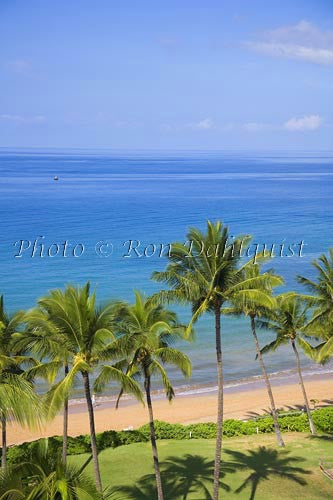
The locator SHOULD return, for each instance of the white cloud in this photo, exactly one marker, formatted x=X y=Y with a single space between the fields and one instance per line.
x=310 y=122
x=310 y=54
x=303 y=41
x=303 y=123
x=205 y=124
x=23 y=119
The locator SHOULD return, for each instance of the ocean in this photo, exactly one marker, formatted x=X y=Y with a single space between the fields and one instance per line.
x=109 y=214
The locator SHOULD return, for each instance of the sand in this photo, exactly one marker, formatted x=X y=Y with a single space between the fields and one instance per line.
x=241 y=402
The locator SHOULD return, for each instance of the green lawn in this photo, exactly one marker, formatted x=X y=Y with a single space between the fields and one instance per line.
x=254 y=462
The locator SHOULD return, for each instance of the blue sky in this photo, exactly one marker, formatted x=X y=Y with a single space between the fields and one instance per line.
x=167 y=74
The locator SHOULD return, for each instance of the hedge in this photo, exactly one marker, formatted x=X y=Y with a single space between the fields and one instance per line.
x=297 y=422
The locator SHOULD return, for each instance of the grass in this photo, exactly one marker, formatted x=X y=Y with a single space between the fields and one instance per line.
x=253 y=468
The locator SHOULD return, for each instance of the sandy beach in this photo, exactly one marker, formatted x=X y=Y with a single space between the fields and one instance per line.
x=241 y=402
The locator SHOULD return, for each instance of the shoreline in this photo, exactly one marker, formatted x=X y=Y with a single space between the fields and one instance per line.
x=243 y=400
x=285 y=377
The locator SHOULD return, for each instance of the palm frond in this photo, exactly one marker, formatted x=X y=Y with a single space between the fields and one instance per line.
x=126 y=382
x=175 y=357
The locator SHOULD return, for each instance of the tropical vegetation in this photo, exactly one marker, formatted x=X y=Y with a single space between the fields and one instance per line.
x=288 y=320
x=149 y=333
x=68 y=335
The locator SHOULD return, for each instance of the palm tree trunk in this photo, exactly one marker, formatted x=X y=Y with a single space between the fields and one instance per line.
x=301 y=382
x=218 y=449
x=268 y=384
x=65 y=426
x=153 y=439
x=4 y=442
x=92 y=430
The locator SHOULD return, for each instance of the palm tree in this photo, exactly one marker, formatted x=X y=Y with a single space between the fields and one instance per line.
x=42 y=338
x=252 y=307
x=288 y=321
x=45 y=476
x=207 y=273
x=84 y=333
x=320 y=325
x=150 y=331
x=17 y=397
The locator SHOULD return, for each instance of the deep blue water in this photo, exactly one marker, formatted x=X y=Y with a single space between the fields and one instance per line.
x=153 y=198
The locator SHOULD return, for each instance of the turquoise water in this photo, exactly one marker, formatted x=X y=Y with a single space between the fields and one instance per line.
x=152 y=197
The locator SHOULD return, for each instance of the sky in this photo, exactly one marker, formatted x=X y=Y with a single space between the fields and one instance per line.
x=190 y=74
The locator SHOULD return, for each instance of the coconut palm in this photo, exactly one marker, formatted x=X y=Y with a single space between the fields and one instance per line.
x=149 y=333
x=42 y=338
x=17 y=397
x=252 y=307
x=320 y=325
x=207 y=273
x=83 y=330
x=288 y=320
x=45 y=477
x=11 y=486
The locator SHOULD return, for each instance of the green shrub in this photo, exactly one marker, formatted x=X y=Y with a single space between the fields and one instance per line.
x=107 y=439
x=265 y=425
x=18 y=454
x=164 y=430
x=128 y=437
x=294 y=421
x=233 y=427
x=323 y=420
x=205 y=430
x=77 y=445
